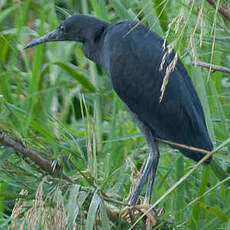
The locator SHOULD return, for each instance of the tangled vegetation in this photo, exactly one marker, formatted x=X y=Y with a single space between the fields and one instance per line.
x=69 y=153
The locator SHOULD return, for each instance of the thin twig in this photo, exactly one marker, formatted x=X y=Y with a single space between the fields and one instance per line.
x=221 y=9
x=183 y=146
x=30 y=153
x=19 y=146
x=212 y=67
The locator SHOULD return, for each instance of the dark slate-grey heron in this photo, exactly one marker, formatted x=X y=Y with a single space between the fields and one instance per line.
x=131 y=55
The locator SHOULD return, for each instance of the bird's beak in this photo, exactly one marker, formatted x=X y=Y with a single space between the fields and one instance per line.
x=52 y=36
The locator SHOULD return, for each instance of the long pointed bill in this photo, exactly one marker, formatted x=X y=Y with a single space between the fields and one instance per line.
x=52 y=36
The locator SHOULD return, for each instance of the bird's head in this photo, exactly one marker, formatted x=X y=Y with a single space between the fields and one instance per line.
x=79 y=28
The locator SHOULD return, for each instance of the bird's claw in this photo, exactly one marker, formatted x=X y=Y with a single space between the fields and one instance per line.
x=137 y=210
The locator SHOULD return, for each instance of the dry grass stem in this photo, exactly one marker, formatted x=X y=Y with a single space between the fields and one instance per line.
x=169 y=70
x=212 y=67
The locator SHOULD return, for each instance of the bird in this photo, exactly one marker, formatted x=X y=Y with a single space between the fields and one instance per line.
x=131 y=55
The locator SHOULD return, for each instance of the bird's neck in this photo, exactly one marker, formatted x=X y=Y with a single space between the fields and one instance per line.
x=93 y=42
x=91 y=51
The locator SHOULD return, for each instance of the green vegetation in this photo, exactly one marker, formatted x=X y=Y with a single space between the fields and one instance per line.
x=61 y=105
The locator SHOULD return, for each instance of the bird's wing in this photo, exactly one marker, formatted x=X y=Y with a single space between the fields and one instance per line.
x=133 y=65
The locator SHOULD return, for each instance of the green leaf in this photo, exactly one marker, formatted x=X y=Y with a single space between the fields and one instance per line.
x=7 y=151
x=100 y=8
x=196 y=210
x=91 y=217
x=77 y=75
x=104 y=217
x=72 y=207
x=3 y=188
x=81 y=198
x=219 y=171
x=179 y=198
x=121 y=11
x=151 y=16
x=8 y=11
x=214 y=211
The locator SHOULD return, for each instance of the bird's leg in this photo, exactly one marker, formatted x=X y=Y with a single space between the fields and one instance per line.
x=150 y=222
x=151 y=163
x=148 y=172
x=148 y=193
x=142 y=180
x=152 y=173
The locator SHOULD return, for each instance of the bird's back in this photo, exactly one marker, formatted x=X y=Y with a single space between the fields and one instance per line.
x=132 y=57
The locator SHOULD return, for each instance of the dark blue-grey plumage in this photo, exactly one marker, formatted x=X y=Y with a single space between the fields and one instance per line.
x=131 y=55
x=132 y=59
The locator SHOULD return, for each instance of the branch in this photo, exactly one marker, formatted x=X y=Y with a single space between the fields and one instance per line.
x=30 y=153
x=212 y=67
x=221 y=9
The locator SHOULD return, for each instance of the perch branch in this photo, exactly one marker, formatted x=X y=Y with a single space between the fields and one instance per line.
x=221 y=9
x=30 y=153
x=212 y=67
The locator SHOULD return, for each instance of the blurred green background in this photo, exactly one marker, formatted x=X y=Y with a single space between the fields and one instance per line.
x=61 y=105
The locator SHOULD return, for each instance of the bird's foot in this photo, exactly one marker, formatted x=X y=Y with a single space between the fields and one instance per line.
x=136 y=211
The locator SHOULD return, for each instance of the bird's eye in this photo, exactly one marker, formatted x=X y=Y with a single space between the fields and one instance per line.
x=62 y=28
